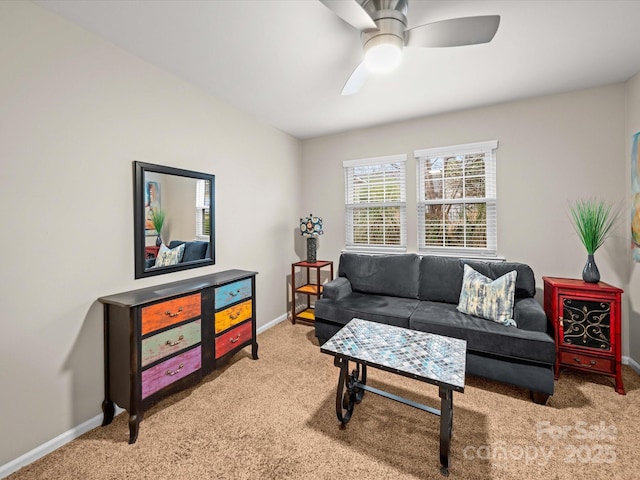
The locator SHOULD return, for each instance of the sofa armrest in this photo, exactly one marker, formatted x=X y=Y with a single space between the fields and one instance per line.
x=529 y=315
x=336 y=289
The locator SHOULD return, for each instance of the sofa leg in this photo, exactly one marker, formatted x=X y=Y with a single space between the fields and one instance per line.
x=539 y=397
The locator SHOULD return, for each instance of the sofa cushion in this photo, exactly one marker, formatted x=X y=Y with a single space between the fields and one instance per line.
x=440 y=279
x=483 y=335
x=395 y=275
x=486 y=298
x=525 y=282
x=376 y=308
x=195 y=250
x=169 y=256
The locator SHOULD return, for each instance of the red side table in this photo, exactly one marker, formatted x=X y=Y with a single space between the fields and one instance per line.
x=586 y=320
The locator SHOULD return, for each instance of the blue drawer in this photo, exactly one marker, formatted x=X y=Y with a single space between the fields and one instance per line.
x=232 y=293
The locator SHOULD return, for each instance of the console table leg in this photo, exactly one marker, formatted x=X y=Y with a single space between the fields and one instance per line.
x=134 y=427
x=108 y=411
x=446 y=427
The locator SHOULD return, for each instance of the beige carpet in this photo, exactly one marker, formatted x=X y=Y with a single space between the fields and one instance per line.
x=275 y=419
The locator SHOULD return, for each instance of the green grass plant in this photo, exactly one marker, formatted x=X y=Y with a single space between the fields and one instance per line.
x=593 y=221
x=157 y=218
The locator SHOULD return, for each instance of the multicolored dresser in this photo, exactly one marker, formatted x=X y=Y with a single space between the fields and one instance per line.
x=160 y=340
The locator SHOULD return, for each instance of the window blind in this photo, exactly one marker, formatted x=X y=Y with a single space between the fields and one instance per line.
x=203 y=209
x=375 y=203
x=457 y=199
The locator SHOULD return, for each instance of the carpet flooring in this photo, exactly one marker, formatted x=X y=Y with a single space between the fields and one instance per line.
x=274 y=418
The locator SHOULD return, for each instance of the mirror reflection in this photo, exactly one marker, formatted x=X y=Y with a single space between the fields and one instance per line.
x=174 y=219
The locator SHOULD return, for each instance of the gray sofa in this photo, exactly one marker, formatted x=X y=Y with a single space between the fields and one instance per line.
x=194 y=250
x=422 y=293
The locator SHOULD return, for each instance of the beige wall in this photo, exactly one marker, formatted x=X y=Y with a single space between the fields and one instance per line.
x=552 y=150
x=633 y=287
x=75 y=112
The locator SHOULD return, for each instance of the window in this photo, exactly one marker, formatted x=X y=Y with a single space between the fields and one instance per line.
x=457 y=200
x=203 y=210
x=375 y=200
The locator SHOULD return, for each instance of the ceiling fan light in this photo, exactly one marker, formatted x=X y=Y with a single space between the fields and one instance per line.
x=383 y=53
x=383 y=58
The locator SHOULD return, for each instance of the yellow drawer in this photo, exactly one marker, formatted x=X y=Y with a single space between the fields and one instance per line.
x=231 y=316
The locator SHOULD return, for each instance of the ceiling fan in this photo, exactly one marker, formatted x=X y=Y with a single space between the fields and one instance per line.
x=383 y=31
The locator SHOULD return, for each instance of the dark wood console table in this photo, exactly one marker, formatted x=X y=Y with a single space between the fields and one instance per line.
x=162 y=339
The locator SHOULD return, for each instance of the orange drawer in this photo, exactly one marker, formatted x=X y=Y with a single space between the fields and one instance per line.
x=605 y=365
x=167 y=313
x=231 y=316
x=230 y=340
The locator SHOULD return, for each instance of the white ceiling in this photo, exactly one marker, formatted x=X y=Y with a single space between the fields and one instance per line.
x=285 y=61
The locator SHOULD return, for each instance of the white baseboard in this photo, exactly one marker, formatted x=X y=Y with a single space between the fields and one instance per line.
x=272 y=323
x=48 y=447
x=632 y=363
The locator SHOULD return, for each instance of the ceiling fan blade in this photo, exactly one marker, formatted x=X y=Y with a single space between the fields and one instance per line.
x=356 y=80
x=455 y=32
x=351 y=12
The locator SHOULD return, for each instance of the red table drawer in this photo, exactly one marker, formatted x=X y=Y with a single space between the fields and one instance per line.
x=234 y=337
x=577 y=360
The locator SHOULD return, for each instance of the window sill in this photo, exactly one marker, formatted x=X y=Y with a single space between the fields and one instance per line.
x=400 y=251
x=375 y=250
x=466 y=256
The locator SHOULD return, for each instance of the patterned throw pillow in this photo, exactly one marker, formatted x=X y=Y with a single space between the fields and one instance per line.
x=168 y=256
x=486 y=298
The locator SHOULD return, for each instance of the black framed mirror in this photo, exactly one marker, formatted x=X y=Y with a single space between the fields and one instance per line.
x=174 y=219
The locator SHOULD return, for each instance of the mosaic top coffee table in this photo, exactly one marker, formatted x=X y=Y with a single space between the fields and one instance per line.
x=423 y=356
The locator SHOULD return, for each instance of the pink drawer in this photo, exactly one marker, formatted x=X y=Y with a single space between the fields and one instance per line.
x=169 y=371
x=230 y=340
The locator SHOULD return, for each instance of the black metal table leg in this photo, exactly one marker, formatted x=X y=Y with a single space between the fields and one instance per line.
x=345 y=398
x=350 y=389
x=446 y=425
x=359 y=375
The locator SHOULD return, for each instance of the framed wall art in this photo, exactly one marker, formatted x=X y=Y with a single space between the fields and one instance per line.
x=635 y=196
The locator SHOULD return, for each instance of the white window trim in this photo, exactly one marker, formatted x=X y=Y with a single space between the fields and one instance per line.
x=487 y=148
x=374 y=161
x=373 y=249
